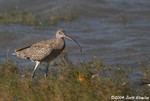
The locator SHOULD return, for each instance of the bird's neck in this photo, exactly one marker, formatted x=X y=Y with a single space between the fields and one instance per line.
x=60 y=43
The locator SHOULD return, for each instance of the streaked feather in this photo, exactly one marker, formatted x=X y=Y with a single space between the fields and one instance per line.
x=37 y=51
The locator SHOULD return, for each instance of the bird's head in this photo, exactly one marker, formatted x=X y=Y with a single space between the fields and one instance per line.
x=62 y=34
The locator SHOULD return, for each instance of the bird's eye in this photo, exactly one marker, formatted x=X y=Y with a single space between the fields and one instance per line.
x=60 y=32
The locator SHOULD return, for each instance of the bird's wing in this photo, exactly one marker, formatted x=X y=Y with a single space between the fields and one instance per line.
x=36 y=51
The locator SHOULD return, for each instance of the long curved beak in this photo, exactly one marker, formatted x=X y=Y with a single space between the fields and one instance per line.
x=70 y=38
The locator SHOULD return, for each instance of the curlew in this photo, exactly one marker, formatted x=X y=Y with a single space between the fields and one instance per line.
x=45 y=51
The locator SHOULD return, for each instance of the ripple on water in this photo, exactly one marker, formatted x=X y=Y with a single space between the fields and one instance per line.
x=115 y=31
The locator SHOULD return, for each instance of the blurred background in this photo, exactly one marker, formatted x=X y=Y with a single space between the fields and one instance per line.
x=115 y=31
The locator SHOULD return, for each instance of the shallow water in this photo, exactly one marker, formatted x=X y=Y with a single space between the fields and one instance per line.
x=115 y=31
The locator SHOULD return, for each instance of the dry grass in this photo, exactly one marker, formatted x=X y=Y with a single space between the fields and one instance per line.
x=73 y=84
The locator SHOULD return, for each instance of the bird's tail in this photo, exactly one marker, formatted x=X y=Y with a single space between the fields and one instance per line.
x=18 y=50
x=13 y=53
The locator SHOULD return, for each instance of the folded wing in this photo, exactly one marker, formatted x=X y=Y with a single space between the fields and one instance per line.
x=36 y=52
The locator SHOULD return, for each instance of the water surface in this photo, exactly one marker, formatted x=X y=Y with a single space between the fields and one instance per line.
x=115 y=31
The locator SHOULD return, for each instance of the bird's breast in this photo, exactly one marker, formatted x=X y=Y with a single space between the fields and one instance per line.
x=56 y=51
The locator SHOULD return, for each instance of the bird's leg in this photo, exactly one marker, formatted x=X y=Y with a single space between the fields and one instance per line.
x=46 y=72
x=36 y=65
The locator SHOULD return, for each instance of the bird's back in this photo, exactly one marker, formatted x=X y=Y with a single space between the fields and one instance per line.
x=41 y=50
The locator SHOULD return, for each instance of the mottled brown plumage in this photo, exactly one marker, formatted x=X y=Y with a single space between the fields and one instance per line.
x=45 y=51
x=41 y=50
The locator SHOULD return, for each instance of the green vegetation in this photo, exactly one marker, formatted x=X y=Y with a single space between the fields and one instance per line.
x=82 y=83
x=147 y=73
x=29 y=18
x=18 y=17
